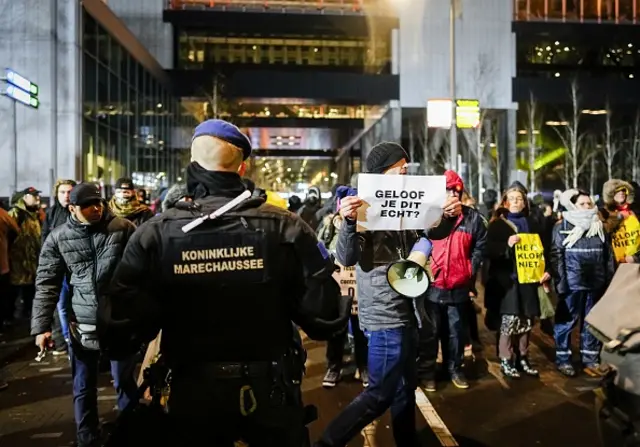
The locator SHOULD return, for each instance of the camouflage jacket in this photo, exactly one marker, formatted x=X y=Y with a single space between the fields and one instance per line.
x=23 y=258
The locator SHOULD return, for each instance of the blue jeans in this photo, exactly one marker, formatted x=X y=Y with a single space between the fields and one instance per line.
x=63 y=304
x=571 y=308
x=392 y=385
x=85 y=371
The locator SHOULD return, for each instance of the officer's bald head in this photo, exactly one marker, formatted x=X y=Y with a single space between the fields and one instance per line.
x=214 y=154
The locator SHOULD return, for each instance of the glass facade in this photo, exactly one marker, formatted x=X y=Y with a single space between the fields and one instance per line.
x=338 y=5
x=555 y=58
x=294 y=175
x=241 y=109
x=619 y=11
x=132 y=126
x=198 y=50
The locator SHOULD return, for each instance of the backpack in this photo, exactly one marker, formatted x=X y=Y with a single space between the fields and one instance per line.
x=327 y=230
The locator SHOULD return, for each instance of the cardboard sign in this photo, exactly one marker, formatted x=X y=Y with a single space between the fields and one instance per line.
x=625 y=240
x=529 y=259
x=400 y=202
x=346 y=277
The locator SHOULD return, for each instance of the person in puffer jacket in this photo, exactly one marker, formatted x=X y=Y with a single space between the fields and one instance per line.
x=582 y=266
x=455 y=263
x=85 y=251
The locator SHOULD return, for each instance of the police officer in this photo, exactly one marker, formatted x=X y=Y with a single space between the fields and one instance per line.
x=224 y=294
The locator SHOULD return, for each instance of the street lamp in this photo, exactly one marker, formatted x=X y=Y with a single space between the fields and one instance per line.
x=453 y=135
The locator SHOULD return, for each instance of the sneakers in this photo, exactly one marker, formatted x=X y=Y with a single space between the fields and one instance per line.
x=567 y=369
x=429 y=385
x=364 y=378
x=595 y=370
x=60 y=352
x=331 y=378
x=459 y=380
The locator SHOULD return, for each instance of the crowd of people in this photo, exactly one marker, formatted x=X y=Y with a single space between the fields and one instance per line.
x=64 y=259
x=577 y=235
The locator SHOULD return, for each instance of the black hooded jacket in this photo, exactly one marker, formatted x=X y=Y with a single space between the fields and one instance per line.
x=56 y=216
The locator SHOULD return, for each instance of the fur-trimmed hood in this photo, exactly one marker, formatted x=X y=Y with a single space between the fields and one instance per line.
x=173 y=196
x=609 y=190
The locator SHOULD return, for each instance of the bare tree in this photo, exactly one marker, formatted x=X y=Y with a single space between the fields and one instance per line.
x=217 y=102
x=594 y=148
x=635 y=147
x=611 y=148
x=436 y=150
x=483 y=78
x=575 y=158
x=533 y=124
x=476 y=149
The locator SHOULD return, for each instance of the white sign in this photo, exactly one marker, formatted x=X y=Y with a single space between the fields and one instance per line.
x=346 y=277
x=400 y=202
x=439 y=113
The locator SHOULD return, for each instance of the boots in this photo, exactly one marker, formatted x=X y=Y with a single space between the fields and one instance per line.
x=508 y=370
x=527 y=368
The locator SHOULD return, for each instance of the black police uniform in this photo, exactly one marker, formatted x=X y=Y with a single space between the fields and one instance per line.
x=225 y=295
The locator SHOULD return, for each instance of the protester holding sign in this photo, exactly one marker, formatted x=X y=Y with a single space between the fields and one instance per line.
x=346 y=277
x=389 y=320
x=583 y=266
x=513 y=305
x=622 y=222
x=455 y=263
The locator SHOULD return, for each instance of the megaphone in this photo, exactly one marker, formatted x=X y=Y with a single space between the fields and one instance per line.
x=411 y=277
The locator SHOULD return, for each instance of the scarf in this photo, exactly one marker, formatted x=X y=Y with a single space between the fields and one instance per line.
x=583 y=221
x=202 y=183
x=520 y=221
x=126 y=209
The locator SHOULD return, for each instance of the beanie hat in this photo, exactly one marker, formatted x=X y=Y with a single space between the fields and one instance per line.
x=124 y=183
x=453 y=180
x=384 y=155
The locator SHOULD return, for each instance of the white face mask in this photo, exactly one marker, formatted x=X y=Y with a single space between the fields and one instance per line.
x=123 y=196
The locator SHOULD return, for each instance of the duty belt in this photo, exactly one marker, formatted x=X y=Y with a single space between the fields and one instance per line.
x=240 y=370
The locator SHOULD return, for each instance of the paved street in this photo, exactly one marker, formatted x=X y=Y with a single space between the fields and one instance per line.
x=553 y=412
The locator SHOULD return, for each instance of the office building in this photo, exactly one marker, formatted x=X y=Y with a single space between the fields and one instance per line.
x=106 y=106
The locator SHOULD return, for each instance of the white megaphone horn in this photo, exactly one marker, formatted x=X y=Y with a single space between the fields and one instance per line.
x=411 y=277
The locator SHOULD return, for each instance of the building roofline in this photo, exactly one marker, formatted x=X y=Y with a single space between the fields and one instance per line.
x=119 y=31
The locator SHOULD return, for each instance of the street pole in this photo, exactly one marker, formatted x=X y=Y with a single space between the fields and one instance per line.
x=15 y=146
x=480 y=160
x=453 y=137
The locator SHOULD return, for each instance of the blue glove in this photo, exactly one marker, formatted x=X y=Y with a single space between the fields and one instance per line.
x=344 y=191
x=423 y=245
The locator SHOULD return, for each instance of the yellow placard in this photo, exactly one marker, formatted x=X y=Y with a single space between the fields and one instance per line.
x=346 y=277
x=529 y=259
x=625 y=240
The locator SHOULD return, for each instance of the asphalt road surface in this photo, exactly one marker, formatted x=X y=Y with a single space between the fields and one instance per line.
x=552 y=411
